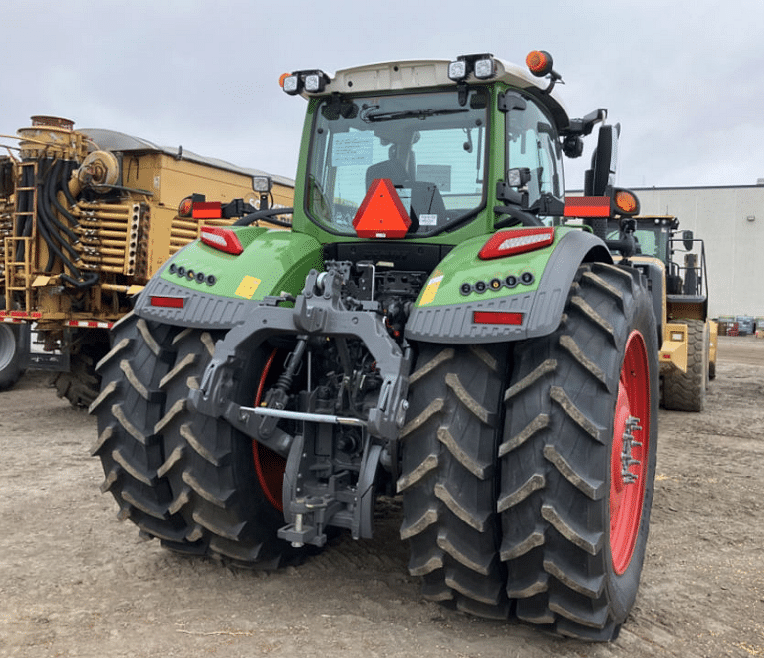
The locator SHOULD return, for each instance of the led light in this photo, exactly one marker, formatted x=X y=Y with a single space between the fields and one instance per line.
x=457 y=70
x=261 y=184
x=484 y=68
x=626 y=202
x=539 y=62
x=497 y=317
x=291 y=84
x=516 y=241
x=222 y=238
x=314 y=83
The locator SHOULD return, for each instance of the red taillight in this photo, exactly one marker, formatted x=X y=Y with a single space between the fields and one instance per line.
x=587 y=206
x=496 y=317
x=516 y=241
x=219 y=237
x=207 y=210
x=167 y=302
x=381 y=214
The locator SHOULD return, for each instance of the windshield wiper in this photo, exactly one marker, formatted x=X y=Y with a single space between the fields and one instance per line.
x=405 y=114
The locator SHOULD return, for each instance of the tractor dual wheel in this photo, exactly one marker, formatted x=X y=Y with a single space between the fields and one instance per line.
x=686 y=391
x=578 y=459
x=527 y=477
x=187 y=479
x=128 y=408
x=448 y=478
x=227 y=490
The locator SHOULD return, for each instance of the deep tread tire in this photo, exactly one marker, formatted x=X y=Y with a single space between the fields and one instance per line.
x=211 y=471
x=555 y=460
x=686 y=391
x=448 y=476
x=128 y=408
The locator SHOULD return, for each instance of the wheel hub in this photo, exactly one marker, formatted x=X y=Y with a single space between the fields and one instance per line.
x=628 y=460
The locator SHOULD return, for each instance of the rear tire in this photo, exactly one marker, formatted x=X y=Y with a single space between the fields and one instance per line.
x=128 y=407
x=212 y=468
x=574 y=531
x=448 y=476
x=686 y=391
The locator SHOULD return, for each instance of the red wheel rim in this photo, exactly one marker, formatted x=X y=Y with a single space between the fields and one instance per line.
x=269 y=465
x=628 y=460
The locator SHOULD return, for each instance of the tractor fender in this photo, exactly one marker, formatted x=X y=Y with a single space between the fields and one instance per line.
x=204 y=288
x=541 y=308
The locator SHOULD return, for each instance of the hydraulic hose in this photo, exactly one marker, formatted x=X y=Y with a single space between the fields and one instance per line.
x=47 y=223
x=265 y=214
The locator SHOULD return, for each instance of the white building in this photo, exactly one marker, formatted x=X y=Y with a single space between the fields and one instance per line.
x=731 y=222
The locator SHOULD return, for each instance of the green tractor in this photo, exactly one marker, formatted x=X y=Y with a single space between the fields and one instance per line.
x=439 y=325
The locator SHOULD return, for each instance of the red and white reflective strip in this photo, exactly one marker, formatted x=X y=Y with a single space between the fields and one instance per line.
x=90 y=324
x=17 y=317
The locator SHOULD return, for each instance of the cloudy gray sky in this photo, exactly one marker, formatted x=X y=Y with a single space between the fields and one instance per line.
x=684 y=78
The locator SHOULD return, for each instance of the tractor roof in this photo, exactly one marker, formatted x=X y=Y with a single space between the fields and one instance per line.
x=423 y=74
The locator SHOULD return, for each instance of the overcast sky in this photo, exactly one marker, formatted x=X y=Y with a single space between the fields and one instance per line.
x=684 y=78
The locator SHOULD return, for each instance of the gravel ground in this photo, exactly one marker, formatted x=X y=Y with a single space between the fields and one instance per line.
x=74 y=581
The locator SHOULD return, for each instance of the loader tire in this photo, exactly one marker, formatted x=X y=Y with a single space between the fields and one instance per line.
x=686 y=391
x=574 y=528
x=128 y=407
x=226 y=491
x=11 y=356
x=81 y=383
x=448 y=478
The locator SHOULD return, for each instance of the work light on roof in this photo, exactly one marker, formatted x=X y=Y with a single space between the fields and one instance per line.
x=314 y=83
x=484 y=68
x=457 y=70
x=291 y=84
x=481 y=66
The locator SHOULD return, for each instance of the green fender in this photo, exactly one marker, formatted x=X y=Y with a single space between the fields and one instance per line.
x=463 y=284
x=217 y=288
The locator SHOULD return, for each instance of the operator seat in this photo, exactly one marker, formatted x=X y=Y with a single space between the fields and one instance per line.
x=391 y=168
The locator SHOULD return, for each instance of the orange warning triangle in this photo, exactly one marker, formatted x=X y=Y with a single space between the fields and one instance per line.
x=381 y=214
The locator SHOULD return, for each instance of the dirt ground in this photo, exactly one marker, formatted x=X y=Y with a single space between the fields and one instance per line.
x=74 y=581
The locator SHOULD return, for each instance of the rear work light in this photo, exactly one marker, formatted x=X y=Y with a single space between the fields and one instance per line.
x=481 y=66
x=516 y=241
x=221 y=238
x=497 y=317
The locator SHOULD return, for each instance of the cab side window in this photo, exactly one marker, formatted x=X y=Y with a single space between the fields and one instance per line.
x=532 y=143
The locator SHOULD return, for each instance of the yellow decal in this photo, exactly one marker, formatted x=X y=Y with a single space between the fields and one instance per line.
x=247 y=287
x=430 y=290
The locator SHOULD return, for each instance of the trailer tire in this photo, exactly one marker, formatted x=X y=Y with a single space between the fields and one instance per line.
x=448 y=478
x=574 y=529
x=127 y=408
x=213 y=469
x=686 y=391
x=11 y=354
x=81 y=383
